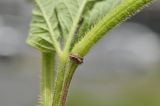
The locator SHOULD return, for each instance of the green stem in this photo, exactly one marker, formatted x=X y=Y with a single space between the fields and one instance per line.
x=60 y=79
x=126 y=9
x=59 y=82
x=67 y=80
x=64 y=76
x=47 y=78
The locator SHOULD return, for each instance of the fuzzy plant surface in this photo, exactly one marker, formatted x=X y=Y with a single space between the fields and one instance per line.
x=64 y=31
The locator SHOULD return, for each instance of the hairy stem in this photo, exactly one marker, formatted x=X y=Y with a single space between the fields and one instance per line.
x=67 y=80
x=63 y=79
x=47 y=78
x=59 y=82
x=126 y=9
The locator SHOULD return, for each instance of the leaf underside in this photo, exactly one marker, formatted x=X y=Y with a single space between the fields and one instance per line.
x=54 y=19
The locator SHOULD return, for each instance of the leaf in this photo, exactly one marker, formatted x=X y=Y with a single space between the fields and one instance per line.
x=44 y=26
x=54 y=20
x=70 y=12
x=77 y=17
x=51 y=20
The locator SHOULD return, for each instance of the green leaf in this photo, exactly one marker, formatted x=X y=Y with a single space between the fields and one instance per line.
x=77 y=17
x=58 y=19
x=70 y=13
x=44 y=27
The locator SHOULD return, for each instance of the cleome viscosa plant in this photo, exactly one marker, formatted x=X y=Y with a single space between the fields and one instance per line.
x=68 y=29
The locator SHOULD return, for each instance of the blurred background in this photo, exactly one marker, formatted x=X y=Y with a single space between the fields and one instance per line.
x=121 y=70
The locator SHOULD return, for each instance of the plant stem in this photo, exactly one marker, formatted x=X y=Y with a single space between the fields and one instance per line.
x=47 y=78
x=67 y=80
x=63 y=79
x=59 y=82
x=126 y=9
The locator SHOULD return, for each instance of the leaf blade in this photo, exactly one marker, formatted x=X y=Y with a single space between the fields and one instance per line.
x=43 y=31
